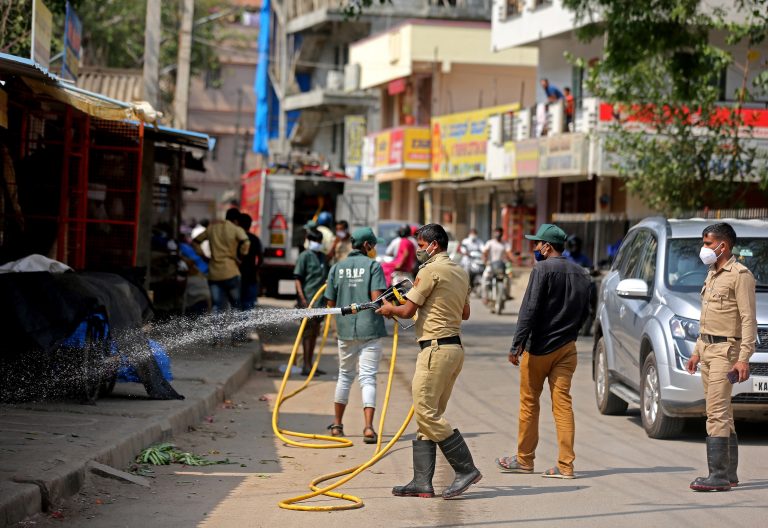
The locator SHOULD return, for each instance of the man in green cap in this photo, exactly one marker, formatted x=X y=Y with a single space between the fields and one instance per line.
x=357 y=279
x=554 y=307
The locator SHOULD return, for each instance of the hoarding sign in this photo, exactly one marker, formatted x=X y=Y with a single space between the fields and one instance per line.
x=354 y=133
x=459 y=142
x=73 y=32
x=42 y=25
x=527 y=158
x=563 y=155
x=397 y=149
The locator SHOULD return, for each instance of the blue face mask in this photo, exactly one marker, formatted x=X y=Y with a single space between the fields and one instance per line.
x=538 y=256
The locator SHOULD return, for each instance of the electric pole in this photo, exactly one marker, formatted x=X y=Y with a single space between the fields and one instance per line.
x=152 y=52
x=181 y=97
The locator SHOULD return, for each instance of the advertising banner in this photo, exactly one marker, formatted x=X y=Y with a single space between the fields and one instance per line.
x=397 y=149
x=527 y=158
x=563 y=155
x=42 y=25
x=459 y=142
x=354 y=133
x=73 y=32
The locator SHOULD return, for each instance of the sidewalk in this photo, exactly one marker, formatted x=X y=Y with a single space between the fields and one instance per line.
x=45 y=447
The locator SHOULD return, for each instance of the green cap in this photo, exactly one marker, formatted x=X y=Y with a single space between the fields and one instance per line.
x=549 y=233
x=365 y=234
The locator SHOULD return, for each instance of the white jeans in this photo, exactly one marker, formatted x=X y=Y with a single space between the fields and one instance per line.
x=368 y=354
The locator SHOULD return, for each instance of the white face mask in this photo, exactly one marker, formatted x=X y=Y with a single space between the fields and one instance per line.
x=708 y=256
x=341 y=234
x=315 y=246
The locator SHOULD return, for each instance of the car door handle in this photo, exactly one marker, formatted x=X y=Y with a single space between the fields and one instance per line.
x=622 y=311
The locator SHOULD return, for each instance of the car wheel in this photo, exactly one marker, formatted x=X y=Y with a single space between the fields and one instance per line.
x=607 y=402
x=655 y=422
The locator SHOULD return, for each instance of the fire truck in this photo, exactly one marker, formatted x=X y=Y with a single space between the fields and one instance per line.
x=282 y=200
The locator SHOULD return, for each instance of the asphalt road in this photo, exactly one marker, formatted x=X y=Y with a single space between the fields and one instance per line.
x=625 y=478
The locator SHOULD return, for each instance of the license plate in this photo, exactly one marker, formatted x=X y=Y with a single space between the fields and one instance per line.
x=276 y=239
x=759 y=384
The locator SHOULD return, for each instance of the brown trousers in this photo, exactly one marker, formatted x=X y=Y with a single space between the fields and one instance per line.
x=557 y=367
x=437 y=368
x=716 y=360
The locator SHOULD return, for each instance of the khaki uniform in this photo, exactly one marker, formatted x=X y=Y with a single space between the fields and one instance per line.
x=225 y=238
x=441 y=290
x=727 y=311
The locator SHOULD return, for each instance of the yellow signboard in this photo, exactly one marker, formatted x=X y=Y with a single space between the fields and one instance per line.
x=459 y=142
x=42 y=25
x=397 y=149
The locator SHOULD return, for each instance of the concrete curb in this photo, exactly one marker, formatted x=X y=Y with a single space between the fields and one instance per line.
x=27 y=495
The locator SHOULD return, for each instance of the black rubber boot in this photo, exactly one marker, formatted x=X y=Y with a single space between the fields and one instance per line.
x=457 y=452
x=733 y=462
x=717 y=460
x=424 y=452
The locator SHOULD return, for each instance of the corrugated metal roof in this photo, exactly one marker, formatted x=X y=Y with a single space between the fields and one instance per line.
x=14 y=65
x=125 y=85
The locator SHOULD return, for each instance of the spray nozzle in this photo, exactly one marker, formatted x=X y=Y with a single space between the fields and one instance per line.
x=395 y=294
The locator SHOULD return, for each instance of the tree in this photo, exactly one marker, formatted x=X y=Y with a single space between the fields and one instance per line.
x=113 y=33
x=678 y=145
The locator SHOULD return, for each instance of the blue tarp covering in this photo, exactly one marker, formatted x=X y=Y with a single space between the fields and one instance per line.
x=261 y=85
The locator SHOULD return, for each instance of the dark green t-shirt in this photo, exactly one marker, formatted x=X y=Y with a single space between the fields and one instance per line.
x=351 y=281
x=310 y=270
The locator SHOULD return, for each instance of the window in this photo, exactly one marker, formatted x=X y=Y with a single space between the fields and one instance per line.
x=618 y=262
x=629 y=269
x=647 y=268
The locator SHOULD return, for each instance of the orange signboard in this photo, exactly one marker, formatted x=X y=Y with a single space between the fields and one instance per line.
x=397 y=149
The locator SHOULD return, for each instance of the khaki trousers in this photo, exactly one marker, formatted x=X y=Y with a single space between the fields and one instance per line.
x=716 y=360
x=437 y=368
x=558 y=367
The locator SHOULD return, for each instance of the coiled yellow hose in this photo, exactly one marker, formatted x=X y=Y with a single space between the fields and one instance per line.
x=355 y=502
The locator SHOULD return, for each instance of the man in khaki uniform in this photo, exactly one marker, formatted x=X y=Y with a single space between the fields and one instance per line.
x=440 y=295
x=725 y=344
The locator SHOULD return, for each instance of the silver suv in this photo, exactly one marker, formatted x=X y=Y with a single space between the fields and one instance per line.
x=648 y=321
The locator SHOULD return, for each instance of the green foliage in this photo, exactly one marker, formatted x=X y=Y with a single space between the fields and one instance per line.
x=680 y=149
x=164 y=454
x=113 y=33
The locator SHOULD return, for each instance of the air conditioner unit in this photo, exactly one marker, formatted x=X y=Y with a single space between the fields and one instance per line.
x=334 y=81
x=495 y=127
x=351 y=77
x=522 y=124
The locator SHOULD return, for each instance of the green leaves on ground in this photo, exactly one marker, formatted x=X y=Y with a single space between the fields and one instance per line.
x=164 y=454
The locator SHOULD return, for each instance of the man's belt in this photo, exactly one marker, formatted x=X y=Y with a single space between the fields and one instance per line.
x=712 y=339
x=454 y=340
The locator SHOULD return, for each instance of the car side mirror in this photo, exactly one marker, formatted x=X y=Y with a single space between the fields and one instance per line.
x=632 y=289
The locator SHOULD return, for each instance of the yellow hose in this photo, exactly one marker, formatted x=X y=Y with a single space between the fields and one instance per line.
x=356 y=502
x=283 y=434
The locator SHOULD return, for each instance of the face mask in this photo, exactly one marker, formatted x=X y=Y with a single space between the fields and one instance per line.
x=708 y=256
x=423 y=255
x=341 y=234
x=498 y=237
x=315 y=246
x=372 y=252
x=473 y=237
x=538 y=256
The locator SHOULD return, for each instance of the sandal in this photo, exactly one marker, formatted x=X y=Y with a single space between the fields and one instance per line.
x=336 y=429
x=370 y=439
x=554 y=472
x=510 y=465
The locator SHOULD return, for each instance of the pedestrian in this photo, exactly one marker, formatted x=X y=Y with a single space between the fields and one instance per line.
x=357 y=279
x=440 y=295
x=728 y=331
x=310 y=273
x=401 y=267
x=551 y=91
x=228 y=243
x=197 y=230
x=570 y=109
x=342 y=244
x=249 y=267
x=554 y=307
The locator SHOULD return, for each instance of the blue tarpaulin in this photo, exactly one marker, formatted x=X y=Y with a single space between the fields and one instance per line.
x=261 y=84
